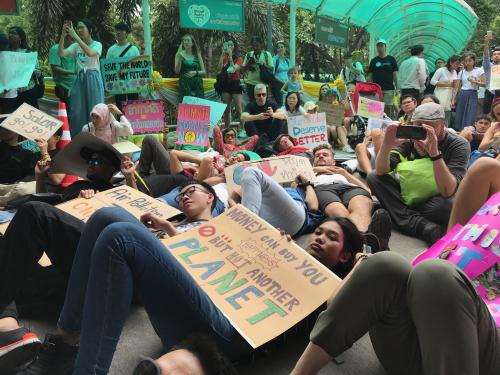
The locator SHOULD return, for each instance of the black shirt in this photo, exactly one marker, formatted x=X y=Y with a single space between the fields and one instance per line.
x=73 y=190
x=254 y=109
x=382 y=69
x=15 y=163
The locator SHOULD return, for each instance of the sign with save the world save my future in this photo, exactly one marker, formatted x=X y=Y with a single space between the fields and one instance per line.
x=225 y=15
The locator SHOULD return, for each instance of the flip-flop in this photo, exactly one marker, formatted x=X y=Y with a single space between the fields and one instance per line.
x=147 y=366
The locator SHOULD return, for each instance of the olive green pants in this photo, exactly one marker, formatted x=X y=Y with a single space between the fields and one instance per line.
x=423 y=320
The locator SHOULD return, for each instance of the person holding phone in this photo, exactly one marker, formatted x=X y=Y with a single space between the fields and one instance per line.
x=447 y=154
x=88 y=88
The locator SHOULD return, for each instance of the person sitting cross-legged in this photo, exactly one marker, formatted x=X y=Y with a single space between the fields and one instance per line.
x=420 y=206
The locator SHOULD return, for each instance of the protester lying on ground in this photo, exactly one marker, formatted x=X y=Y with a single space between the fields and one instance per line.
x=340 y=194
x=58 y=233
x=102 y=165
x=225 y=141
x=491 y=138
x=16 y=163
x=429 y=172
x=142 y=266
x=105 y=126
x=48 y=150
x=452 y=332
x=367 y=151
x=263 y=116
x=287 y=145
x=474 y=134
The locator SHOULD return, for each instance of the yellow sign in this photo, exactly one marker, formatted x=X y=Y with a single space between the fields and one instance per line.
x=370 y=108
x=261 y=282
x=283 y=169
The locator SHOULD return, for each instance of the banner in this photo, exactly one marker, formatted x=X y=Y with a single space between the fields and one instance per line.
x=334 y=113
x=126 y=75
x=10 y=7
x=216 y=109
x=332 y=32
x=261 y=282
x=475 y=249
x=310 y=131
x=31 y=123
x=145 y=116
x=193 y=125
x=495 y=77
x=370 y=108
x=283 y=169
x=225 y=15
x=17 y=69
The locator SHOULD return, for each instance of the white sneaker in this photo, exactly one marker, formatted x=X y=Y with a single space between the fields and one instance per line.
x=348 y=149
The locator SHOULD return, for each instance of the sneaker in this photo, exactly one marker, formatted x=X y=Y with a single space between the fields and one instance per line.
x=381 y=227
x=430 y=232
x=55 y=358
x=348 y=149
x=147 y=366
x=17 y=348
x=371 y=245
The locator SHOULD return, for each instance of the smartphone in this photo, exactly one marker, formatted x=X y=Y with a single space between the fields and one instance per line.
x=411 y=132
x=489 y=34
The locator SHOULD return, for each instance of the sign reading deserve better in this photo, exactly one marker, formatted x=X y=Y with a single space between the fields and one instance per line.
x=310 y=131
x=283 y=169
x=31 y=123
x=261 y=282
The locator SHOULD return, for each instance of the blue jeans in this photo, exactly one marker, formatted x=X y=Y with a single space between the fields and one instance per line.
x=116 y=256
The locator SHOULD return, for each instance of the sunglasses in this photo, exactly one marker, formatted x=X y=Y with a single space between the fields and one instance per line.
x=260 y=94
x=188 y=193
x=95 y=162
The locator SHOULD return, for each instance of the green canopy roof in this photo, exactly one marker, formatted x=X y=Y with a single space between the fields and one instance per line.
x=444 y=27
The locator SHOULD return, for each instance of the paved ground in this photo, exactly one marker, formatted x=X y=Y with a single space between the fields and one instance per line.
x=138 y=339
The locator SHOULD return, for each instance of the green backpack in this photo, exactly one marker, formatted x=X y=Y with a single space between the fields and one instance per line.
x=416 y=179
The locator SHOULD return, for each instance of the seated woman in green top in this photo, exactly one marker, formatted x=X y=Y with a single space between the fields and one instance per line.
x=190 y=68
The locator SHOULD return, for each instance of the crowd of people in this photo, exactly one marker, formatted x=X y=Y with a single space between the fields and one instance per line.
x=421 y=183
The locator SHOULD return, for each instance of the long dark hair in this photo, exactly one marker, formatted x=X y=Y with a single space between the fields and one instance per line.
x=451 y=60
x=236 y=50
x=195 y=46
x=297 y=106
x=20 y=32
x=353 y=244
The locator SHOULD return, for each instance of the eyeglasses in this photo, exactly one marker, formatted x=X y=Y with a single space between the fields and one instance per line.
x=230 y=135
x=188 y=193
x=95 y=162
x=281 y=47
x=260 y=94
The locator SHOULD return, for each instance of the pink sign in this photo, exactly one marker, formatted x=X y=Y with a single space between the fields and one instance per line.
x=475 y=249
x=193 y=124
x=145 y=116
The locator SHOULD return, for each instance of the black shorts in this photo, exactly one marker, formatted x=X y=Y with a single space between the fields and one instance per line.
x=342 y=193
x=232 y=87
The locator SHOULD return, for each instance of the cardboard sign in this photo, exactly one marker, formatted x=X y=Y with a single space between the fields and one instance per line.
x=283 y=169
x=261 y=282
x=131 y=200
x=475 y=249
x=123 y=75
x=145 y=116
x=370 y=108
x=216 y=109
x=31 y=123
x=17 y=69
x=378 y=123
x=310 y=131
x=334 y=113
x=495 y=77
x=126 y=147
x=193 y=125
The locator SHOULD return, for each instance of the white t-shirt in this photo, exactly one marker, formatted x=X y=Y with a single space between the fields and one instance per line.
x=330 y=179
x=116 y=50
x=84 y=62
x=300 y=112
x=464 y=77
x=443 y=75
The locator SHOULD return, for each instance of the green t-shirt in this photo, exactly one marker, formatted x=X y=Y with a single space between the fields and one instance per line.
x=67 y=63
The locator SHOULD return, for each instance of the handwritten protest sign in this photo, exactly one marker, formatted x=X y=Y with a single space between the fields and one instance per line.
x=126 y=147
x=17 y=69
x=216 y=109
x=334 y=113
x=193 y=125
x=145 y=116
x=283 y=169
x=310 y=131
x=31 y=123
x=475 y=249
x=122 y=75
x=261 y=282
x=495 y=77
x=370 y=108
x=377 y=123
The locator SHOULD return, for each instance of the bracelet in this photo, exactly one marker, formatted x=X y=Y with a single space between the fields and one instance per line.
x=437 y=157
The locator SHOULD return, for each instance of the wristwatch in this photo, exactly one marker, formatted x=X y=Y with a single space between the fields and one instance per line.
x=437 y=157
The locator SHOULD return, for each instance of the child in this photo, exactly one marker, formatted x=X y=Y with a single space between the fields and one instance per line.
x=475 y=133
x=293 y=84
x=348 y=115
